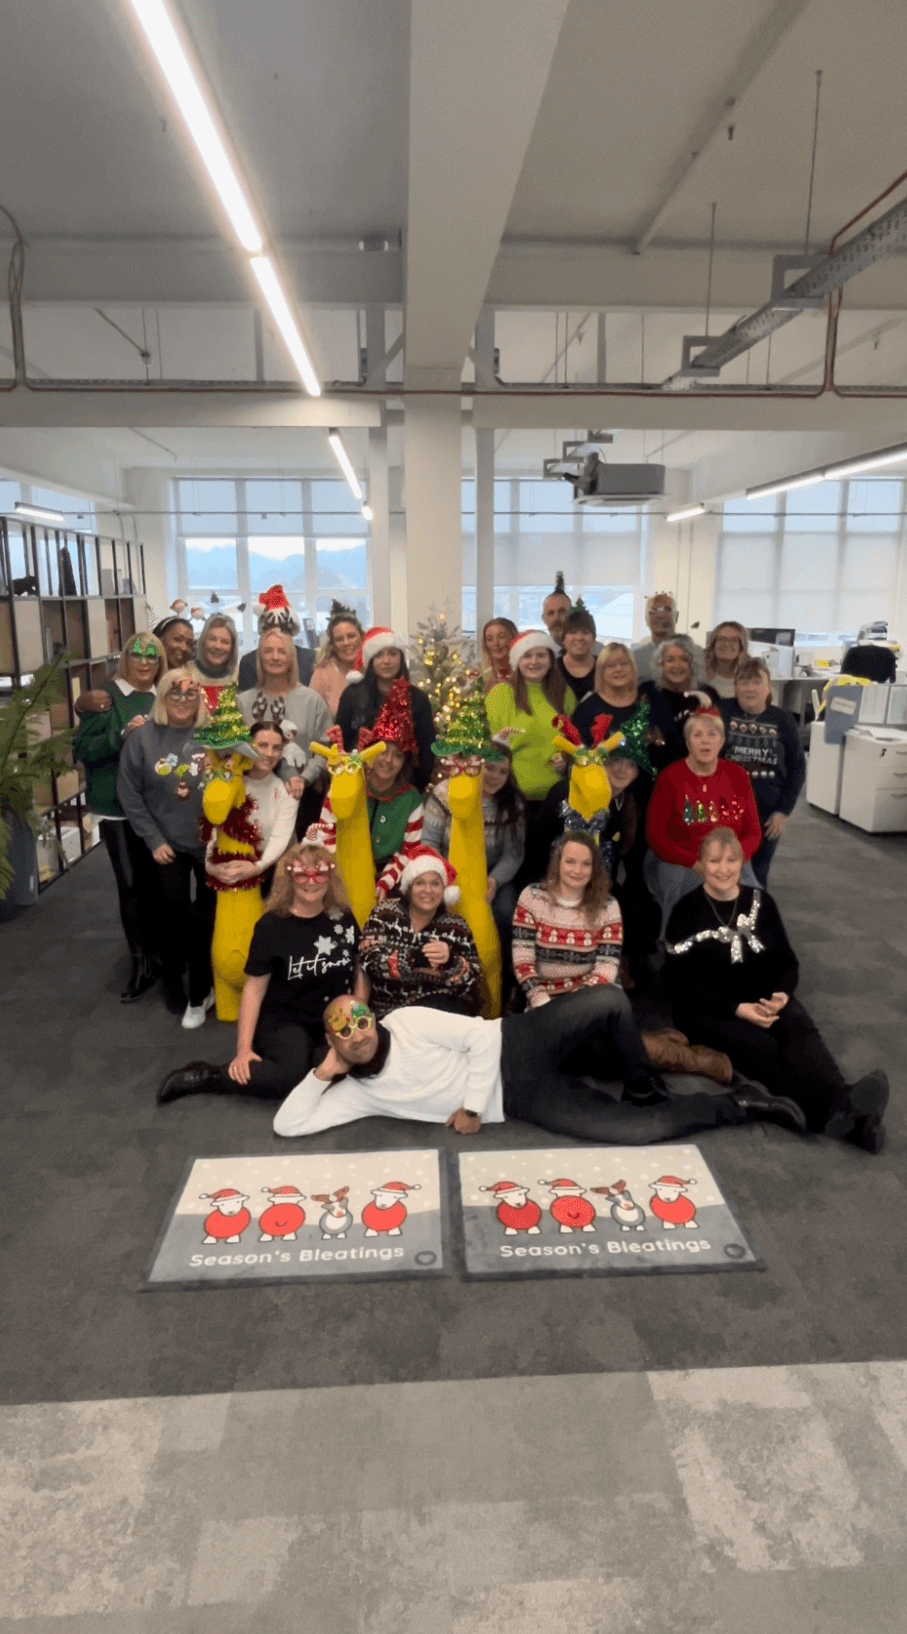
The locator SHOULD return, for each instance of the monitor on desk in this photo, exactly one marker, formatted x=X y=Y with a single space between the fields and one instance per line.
x=774 y=637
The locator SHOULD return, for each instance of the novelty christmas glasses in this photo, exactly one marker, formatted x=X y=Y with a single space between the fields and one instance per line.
x=359 y=1020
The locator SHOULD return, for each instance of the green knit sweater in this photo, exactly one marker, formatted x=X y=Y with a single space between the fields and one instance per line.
x=98 y=745
x=533 y=745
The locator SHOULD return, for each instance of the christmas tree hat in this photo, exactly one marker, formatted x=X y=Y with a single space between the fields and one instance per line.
x=225 y=732
x=467 y=734
x=394 y=721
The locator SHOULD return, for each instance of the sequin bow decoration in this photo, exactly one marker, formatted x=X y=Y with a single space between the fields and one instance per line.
x=735 y=934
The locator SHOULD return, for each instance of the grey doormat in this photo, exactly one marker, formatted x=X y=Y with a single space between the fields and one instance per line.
x=334 y=1216
x=598 y=1211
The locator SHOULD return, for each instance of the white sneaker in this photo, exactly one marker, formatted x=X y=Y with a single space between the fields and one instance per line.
x=196 y=1013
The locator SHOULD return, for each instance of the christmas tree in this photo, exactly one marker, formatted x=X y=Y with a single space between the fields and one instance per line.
x=442 y=665
x=226 y=728
x=467 y=733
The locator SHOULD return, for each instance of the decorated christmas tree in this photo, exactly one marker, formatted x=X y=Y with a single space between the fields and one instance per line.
x=467 y=731
x=442 y=665
x=226 y=728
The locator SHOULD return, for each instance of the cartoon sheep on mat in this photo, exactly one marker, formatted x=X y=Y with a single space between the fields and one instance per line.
x=229 y=1218
x=671 y=1205
x=570 y=1207
x=516 y=1209
x=283 y=1215
x=624 y=1211
x=336 y=1218
x=386 y=1214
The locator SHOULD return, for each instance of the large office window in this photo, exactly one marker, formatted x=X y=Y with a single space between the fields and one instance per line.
x=537 y=530
x=822 y=560
x=238 y=536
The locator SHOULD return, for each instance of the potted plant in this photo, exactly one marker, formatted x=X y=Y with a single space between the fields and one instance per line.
x=26 y=760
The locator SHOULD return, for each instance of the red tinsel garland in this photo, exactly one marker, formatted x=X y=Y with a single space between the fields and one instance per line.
x=242 y=827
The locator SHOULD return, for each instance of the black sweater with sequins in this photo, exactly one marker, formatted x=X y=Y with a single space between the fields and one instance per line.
x=704 y=977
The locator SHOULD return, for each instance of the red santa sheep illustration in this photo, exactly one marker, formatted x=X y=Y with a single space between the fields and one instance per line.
x=386 y=1214
x=516 y=1209
x=283 y=1215
x=229 y=1218
x=671 y=1205
x=570 y=1207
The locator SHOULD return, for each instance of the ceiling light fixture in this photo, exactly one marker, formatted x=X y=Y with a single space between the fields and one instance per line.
x=867 y=462
x=367 y=513
x=39 y=513
x=279 y=308
x=685 y=515
x=786 y=483
x=343 y=460
x=173 y=61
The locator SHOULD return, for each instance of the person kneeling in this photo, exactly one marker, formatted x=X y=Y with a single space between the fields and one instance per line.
x=416 y=951
x=303 y=953
x=733 y=973
x=462 y=1071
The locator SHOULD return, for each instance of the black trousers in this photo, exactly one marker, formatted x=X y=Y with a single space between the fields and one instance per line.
x=789 y=1058
x=534 y=1044
x=133 y=870
x=186 y=923
x=286 y=1049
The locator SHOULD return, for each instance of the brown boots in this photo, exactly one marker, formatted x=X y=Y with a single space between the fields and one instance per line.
x=669 y=1051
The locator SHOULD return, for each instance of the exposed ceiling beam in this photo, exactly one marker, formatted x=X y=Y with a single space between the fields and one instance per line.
x=694 y=411
x=179 y=407
x=724 y=110
x=478 y=72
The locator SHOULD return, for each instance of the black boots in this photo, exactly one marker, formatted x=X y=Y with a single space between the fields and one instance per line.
x=859 y=1120
x=142 y=976
x=762 y=1107
x=198 y=1078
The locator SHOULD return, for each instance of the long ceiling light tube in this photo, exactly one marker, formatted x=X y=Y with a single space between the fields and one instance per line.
x=279 y=308
x=868 y=462
x=343 y=460
x=830 y=473
x=784 y=484
x=38 y=513
x=686 y=514
x=173 y=61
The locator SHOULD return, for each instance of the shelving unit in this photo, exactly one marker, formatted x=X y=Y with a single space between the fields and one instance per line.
x=73 y=593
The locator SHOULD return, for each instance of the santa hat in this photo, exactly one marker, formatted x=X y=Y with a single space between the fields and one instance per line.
x=671 y=1180
x=503 y=1185
x=283 y=1191
x=374 y=641
x=394 y=721
x=396 y=1185
x=218 y=1196
x=274 y=611
x=422 y=859
x=524 y=642
x=560 y=1183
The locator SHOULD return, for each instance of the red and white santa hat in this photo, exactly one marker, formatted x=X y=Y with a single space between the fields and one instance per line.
x=561 y=1185
x=524 y=642
x=374 y=641
x=218 y=1196
x=671 y=1180
x=395 y=1185
x=274 y=611
x=283 y=1191
x=423 y=859
x=503 y=1185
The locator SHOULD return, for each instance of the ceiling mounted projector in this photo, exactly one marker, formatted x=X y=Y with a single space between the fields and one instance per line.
x=597 y=483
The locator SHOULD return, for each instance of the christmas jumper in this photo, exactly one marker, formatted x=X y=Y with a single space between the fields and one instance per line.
x=505 y=842
x=391 y=955
x=660 y=721
x=435 y=1064
x=532 y=745
x=682 y=705
x=100 y=740
x=767 y=746
x=559 y=949
x=300 y=707
x=354 y=711
x=150 y=785
x=394 y=820
x=721 y=954
x=684 y=808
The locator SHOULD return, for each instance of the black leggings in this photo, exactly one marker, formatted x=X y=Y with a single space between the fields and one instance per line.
x=133 y=870
x=534 y=1044
x=286 y=1049
x=789 y=1058
x=186 y=924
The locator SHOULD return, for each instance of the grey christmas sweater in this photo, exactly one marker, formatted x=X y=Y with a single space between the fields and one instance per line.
x=147 y=784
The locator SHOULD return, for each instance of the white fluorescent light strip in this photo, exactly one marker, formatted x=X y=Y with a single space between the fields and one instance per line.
x=684 y=515
x=189 y=97
x=39 y=513
x=343 y=460
x=872 y=462
x=279 y=308
x=368 y=513
x=783 y=487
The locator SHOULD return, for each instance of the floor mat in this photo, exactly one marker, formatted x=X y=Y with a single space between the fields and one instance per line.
x=334 y=1216
x=606 y=1210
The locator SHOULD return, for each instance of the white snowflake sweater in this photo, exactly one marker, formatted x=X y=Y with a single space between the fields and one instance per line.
x=558 y=949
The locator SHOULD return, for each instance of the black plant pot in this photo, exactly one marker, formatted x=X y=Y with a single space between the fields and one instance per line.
x=23 y=857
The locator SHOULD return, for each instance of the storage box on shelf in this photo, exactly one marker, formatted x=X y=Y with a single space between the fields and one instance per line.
x=79 y=594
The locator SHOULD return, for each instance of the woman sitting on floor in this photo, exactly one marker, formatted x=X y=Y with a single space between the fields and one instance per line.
x=733 y=973
x=763 y=740
x=567 y=931
x=690 y=798
x=303 y=954
x=415 y=951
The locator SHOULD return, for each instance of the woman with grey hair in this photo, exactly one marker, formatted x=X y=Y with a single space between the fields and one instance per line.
x=159 y=786
x=676 y=682
x=690 y=798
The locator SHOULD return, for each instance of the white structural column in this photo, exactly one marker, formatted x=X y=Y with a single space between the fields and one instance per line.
x=484 y=518
x=379 y=527
x=432 y=476
x=399 y=618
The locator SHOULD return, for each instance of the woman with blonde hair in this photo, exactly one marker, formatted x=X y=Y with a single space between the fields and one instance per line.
x=299 y=714
x=342 y=640
x=159 y=786
x=644 y=718
x=726 y=646
x=303 y=955
x=129 y=696
x=216 y=661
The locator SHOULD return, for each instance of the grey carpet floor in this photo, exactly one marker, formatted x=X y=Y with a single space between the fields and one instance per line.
x=91 y=1165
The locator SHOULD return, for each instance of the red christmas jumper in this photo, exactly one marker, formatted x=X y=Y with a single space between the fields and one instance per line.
x=684 y=808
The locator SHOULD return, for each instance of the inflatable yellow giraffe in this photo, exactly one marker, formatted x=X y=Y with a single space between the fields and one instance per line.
x=239 y=907
x=467 y=856
x=348 y=804
x=590 y=790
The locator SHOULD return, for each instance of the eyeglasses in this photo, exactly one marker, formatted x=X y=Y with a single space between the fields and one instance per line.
x=360 y=1023
x=322 y=870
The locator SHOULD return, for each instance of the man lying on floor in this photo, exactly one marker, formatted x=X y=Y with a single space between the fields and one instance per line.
x=462 y=1071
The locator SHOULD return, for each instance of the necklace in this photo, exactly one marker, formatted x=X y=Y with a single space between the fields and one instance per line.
x=726 y=923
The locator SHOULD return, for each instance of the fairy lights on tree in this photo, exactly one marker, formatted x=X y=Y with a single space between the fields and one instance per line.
x=443 y=661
